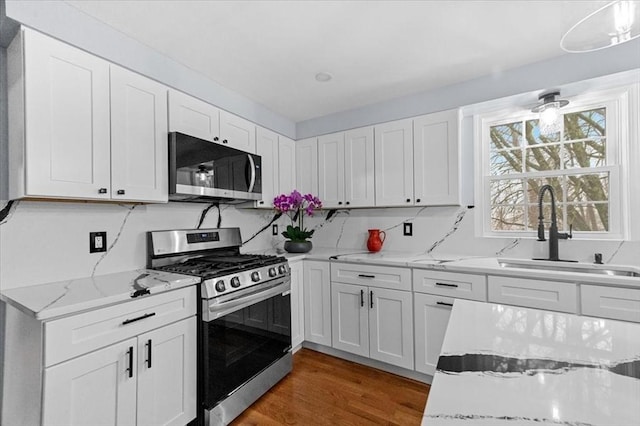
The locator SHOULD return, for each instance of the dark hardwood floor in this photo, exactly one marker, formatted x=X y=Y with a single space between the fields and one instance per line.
x=324 y=390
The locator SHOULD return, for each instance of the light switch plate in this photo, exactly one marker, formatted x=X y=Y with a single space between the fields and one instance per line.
x=407 y=229
x=274 y=229
x=97 y=242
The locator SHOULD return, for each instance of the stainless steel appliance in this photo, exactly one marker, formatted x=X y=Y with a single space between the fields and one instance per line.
x=200 y=170
x=245 y=336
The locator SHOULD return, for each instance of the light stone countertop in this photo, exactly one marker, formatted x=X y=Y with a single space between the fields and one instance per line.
x=48 y=301
x=520 y=366
x=466 y=264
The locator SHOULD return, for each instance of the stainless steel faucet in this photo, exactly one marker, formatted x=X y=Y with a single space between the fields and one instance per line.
x=554 y=235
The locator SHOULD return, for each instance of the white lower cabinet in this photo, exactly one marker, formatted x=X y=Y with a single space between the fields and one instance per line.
x=373 y=322
x=143 y=373
x=610 y=302
x=317 y=302
x=539 y=294
x=431 y=315
x=297 y=303
x=148 y=380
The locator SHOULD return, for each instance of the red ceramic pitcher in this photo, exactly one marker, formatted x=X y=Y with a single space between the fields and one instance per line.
x=374 y=243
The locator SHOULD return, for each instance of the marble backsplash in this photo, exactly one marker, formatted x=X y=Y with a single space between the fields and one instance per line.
x=49 y=241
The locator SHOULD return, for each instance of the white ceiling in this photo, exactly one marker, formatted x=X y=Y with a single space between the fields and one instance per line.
x=270 y=51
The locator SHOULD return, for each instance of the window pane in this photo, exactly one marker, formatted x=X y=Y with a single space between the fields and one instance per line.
x=534 y=185
x=506 y=135
x=534 y=137
x=585 y=124
x=507 y=218
x=507 y=191
x=589 y=153
x=504 y=162
x=543 y=157
x=532 y=210
x=585 y=188
x=592 y=217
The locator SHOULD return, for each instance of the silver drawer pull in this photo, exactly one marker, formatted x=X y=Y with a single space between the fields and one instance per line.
x=447 y=285
x=366 y=276
x=444 y=304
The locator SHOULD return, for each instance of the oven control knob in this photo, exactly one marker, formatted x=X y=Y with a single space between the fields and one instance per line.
x=282 y=269
x=272 y=272
x=235 y=282
x=255 y=276
x=220 y=286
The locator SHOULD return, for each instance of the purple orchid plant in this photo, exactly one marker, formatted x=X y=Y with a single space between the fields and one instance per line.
x=296 y=206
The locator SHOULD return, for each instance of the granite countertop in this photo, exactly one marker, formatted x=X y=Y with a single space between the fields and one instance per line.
x=463 y=264
x=518 y=366
x=47 y=301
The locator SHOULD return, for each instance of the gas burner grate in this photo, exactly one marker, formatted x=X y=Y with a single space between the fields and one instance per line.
x=212 y=266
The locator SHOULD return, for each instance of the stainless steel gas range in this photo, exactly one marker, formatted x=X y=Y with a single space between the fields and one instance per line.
x=245 y=333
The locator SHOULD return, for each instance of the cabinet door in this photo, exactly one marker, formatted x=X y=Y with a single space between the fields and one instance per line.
x=287 y=166
x=237 y=132
x=267 y=148
x=435 y=148
x=66 y=121
x=359 y=168
x=193 y=117
x=331 y=170
x=350 y=318
x=431 y=319
x=94 y=389
x=297 y=304
x=317 y=303
x=307 y=166
x=391 y=326
x=167 y=374
x=138 y=138
x=394 y=163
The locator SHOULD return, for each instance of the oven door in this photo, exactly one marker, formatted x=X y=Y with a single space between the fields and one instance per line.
x=242 y=335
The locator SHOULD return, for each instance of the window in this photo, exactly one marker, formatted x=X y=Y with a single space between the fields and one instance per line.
x=582 y=163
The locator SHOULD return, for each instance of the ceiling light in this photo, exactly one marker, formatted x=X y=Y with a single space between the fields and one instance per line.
x=615 y=23
x=323 y=77
x=549 y=109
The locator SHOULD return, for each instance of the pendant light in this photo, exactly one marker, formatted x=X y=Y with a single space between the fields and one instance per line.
x=549 y=110
x=616 y=22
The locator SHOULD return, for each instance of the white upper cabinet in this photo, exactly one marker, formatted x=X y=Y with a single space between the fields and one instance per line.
x=237 y=132
x=331 y=170
x=359 y=182
x=197 y=118
x=394 y=163
x=81 y=128
x=267 y=149
x=435 y=148
x=138 y=138
x=287 y=165
x=193 y=117
x=307 y=166
x=59 y=120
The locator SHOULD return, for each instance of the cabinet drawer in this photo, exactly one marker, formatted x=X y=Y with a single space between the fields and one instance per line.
x=78 y=334
x=374 y=276
x=611 y=302
x=549 y=295
x=451 y=284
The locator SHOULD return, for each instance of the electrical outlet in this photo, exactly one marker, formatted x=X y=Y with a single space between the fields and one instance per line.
x=274 y=229
x=97 y=242
x=407 y=229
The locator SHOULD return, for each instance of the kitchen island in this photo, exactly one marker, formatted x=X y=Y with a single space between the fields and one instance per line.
x=510 y=365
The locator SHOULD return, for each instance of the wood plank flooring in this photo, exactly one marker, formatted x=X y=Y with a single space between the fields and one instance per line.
x=324 y=390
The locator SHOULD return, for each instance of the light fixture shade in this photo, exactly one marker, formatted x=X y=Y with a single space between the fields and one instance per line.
x=549 y=122
x=614 y=23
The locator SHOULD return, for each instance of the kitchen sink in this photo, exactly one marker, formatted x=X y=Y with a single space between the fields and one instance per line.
x=582 y=268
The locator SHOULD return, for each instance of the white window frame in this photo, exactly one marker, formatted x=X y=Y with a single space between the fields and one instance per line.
x=618 y=119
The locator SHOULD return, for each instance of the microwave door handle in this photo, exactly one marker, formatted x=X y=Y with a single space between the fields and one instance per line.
x=252 y=180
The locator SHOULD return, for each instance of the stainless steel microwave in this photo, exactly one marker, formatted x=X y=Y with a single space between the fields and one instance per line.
x=204 y=171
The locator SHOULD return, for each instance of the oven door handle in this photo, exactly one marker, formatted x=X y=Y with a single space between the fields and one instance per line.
x=219 y=307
